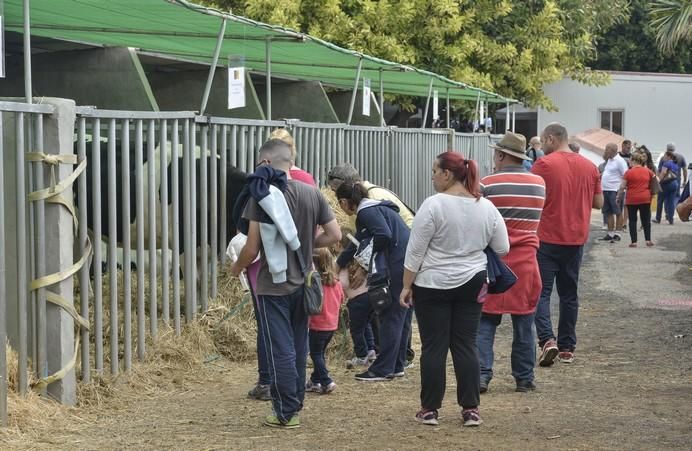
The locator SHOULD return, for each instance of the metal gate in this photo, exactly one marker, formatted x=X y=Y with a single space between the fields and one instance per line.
x=153 y=204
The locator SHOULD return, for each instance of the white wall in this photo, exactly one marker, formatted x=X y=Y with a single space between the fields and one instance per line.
x=657 y=108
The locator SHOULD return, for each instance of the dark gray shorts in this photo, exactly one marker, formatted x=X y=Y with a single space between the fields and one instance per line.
x=610 y=206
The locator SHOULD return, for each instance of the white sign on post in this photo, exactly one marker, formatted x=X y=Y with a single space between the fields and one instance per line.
x=436 y=104
x=236 y=82
x=366 y=97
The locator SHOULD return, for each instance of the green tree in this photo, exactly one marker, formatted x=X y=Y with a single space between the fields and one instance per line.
x=513 y=47
x=672 y=21
x=631 y=46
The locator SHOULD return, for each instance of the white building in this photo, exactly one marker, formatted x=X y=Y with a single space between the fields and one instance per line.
x=647 y=108
x=651 y=109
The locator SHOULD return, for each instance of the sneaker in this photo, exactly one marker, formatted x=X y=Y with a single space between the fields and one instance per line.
x=260 y=392
x=471 y=417
x=525 y=386
x=649 y=243
x=656 y=221
x=329 y=388
x=548 y=353
x=367 y=376
x=428 y=417
x=409 y=364
x=484 y=386
x=273 y=422
x=566 y=356
x=607 y=239
x=616 y=237
x=356 y=362
x=399 y=374
x=371 y=356
x=314 y=387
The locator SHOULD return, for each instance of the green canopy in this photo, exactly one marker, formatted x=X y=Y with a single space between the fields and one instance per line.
x=188 y=32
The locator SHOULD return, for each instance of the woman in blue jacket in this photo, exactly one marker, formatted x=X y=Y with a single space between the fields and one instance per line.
x=380 y=222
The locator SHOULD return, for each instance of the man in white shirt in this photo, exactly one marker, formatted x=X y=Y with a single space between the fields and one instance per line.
x=615 y=168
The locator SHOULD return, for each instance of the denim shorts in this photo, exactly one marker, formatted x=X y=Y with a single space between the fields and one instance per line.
x=610 y=205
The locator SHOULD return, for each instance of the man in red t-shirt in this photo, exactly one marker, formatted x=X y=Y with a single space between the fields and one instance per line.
x=573 y=188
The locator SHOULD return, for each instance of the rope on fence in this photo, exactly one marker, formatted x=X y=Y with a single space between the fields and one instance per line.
x=53 y=194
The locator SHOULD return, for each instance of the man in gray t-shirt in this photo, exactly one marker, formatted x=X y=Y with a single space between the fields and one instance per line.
x=285 y=323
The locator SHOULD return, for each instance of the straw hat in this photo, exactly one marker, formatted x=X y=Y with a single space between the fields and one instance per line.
x=512 y=144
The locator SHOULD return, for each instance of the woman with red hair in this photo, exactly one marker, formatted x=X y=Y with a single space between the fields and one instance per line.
x=445 y=271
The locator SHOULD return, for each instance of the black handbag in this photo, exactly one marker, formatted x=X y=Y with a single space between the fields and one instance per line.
x=500 y=277
x=379 y=294
x=312 y=291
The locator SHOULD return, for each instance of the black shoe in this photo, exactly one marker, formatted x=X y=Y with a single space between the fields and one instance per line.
x=616 y=237
x=484 y=386
x=656 y=221
x=525 y=386
x=367 y=376
x=607 y=239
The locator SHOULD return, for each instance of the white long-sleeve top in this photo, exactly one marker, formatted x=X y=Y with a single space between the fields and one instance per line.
x=448 y=236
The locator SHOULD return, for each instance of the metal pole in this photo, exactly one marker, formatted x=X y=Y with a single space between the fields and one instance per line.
x=84 y=272
x=96 y=261
x=188 y=245
x=40 y=216
x=151 y=203
x=22 y=285
x=507 y=117
x=27 y=51
x=204 y=219
x=175 y=213
x=113 y=245
x=448 y=114
x=139 y=214
x=514 y=116
x=382 y=122
x=269 y=78
x=475 y=113
x=355 y=92
x=3 y=293
x=127 y=246
x=212 y=68
x=165 y=270
x=214 y=213
x=427 y=104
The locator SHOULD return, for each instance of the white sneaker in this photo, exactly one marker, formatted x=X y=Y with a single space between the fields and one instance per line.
x=329 y=388
x=372 y=355
x=356 y=362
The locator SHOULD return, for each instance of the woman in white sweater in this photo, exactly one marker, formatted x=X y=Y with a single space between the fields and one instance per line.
x=445 y=271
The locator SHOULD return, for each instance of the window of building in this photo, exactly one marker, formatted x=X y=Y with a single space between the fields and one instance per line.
x=613 y=120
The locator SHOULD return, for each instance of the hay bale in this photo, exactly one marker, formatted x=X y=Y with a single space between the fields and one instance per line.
x=345 y=221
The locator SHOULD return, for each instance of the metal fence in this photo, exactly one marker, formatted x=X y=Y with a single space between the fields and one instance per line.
x=154 y=203
x=23 y=243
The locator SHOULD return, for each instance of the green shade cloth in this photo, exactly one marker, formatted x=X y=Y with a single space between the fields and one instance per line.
x=188 y=32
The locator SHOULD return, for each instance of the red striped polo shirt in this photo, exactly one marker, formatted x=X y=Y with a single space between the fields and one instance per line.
x=519 y=196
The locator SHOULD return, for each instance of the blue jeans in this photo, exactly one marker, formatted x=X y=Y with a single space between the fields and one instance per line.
x=359 y=325
x=667 y=199
x=559 y=264
x=393 y=332
x=319 y=340
x=523 y=346
x=285 y=329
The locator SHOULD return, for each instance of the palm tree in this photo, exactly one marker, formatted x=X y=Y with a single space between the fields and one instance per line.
x=672 y=22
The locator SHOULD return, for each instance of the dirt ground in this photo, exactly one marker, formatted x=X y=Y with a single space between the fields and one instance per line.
x=629 y=388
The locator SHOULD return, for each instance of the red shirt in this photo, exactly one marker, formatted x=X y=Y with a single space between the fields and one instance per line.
x=328 y=319
x=302 y=176
x=571 y=181
x=638 y=179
